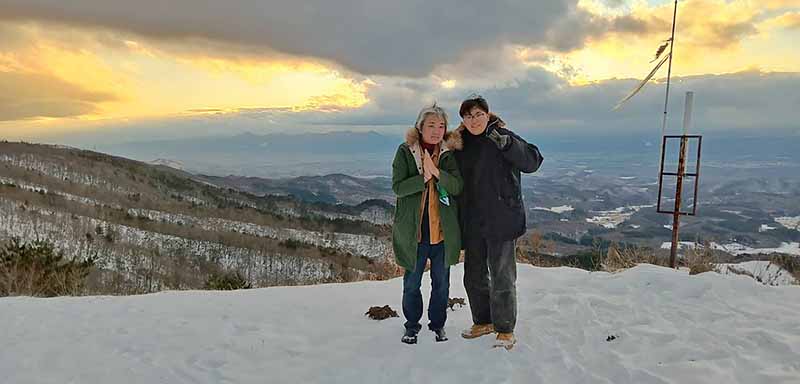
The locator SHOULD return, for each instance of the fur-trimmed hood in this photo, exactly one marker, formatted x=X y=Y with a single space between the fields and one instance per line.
x=493 y=119
x=452 y=142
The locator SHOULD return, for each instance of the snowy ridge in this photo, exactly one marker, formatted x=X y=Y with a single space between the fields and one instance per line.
x=39 y=188
x=168 y=163
x=373 y=215
x=764 y=272
x=668 y=327
x=791 y=248
x=61 y=172
x=67 y=232
x=360 y=245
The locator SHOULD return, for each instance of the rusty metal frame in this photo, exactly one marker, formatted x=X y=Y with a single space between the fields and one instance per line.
x=695 y=174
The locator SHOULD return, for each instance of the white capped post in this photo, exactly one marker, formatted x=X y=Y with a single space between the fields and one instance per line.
x=687 y=112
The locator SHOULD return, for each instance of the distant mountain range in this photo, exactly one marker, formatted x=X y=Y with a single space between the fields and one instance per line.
x=273 y=156
x=333 y=189
x=367 y=154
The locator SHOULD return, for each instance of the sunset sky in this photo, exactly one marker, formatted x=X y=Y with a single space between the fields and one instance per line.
x=131 y=70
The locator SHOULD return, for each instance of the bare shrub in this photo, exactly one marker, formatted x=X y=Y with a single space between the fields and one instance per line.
x=788 y=262
x=541 y=250
x=700 y=258
x=227 y=281
x=628 y=256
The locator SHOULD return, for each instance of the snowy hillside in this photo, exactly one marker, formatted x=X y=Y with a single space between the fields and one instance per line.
x=151 y=227
x=644 y=325
x=763 y=271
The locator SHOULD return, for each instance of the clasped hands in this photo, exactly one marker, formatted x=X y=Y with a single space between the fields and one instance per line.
x=429 y=168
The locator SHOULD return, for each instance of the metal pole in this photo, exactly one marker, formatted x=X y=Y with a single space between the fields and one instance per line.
x=676 y=216
x=681 y=164
x=669 y=68
x=687 y=121
x=687 y=112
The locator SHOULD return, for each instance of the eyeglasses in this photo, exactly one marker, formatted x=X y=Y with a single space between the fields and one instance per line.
x=477 y=115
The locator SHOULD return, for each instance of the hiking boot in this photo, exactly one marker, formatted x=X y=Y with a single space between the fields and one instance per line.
x=410 y=337
x=505 y=340
x=477 y=330
x=440 y=335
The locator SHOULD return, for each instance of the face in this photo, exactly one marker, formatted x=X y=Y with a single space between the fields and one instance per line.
x=433 y=129
x=476 y=121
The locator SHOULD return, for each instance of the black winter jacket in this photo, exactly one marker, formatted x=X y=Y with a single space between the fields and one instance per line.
x=491 y=201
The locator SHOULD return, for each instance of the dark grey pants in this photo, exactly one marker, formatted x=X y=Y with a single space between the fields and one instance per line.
x=490 y=278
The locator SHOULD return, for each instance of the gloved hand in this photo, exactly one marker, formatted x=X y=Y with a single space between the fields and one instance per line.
x=502 y=141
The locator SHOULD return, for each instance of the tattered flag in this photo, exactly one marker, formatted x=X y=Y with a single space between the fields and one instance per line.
x=661 y=49
x=642 y=83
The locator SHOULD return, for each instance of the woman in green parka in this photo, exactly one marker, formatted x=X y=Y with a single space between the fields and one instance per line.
x=425 y=178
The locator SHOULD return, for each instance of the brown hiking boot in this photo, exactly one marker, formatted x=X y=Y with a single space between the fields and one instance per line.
x=477 y=330
x=505 y=340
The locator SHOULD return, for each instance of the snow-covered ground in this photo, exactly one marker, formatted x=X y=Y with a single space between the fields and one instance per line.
x=361 y=245
x=681 y=245
x=60 y=171
x=615 y=217
x=791 y=248
x=789 y=222
x=766 y=227
x=39 y=188
x=737 y=213
x=761 y=270
x=668 y=327
x=67 y=232
x=559 y=210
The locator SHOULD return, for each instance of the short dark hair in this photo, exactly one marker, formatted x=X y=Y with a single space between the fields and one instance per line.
x=472 y=102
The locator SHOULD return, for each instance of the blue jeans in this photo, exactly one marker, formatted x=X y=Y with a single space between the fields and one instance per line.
x=440 y=288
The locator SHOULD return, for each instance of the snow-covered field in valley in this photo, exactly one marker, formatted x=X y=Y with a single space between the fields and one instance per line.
x=789 y=222
x=615 y=217
x=559 y=210
x=644 y=325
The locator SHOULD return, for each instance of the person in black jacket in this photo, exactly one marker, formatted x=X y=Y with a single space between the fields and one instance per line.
x=492 y=217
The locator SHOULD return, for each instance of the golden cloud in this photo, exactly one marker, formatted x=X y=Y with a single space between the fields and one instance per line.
x=787 y=20
x=139 y=78
x=28 y=96
x=712 y=36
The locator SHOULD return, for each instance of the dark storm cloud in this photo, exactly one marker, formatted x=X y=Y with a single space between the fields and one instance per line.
x=383 y=37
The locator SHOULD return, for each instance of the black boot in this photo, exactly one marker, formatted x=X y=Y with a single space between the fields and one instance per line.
x=440 y=335
x=410 y=337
